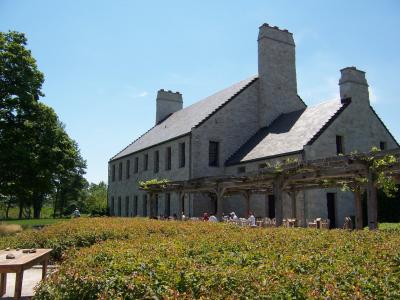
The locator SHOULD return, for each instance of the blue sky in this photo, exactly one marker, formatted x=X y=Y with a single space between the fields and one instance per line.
x=105 y=60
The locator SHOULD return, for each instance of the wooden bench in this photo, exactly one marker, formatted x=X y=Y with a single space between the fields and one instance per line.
x=18 y=265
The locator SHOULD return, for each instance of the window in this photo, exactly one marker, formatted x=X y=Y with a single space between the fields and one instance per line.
x=144 y=203
x=128 y=168
x=339 y=144
x=120 y=171
x=119 y=206
x=135 y=201
x=146 y=162
x=262 y=166
x=126 y=212
x=167 y=211
x=382 y=145
x=112 y=207
x=182 y=158
x=156 y=161
x=113 y=173
x=136 y=165
x=213 y=154
x=168 y=158
x=241 y=169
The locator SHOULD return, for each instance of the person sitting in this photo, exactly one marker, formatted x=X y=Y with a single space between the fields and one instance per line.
x=76 y=213
x=205 y=217
x=252 y=219
x=234 y=216
x=212 y=218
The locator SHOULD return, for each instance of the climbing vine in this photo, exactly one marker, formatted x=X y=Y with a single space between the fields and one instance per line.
x=145 y=185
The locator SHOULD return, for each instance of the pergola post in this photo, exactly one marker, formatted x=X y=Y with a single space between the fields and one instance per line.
x=181 y=198
x=152 y=197
x=372 y=202
x=220 y=198
x=246 y=195
x=358 y=207
x=278 y=187
x=292 y=195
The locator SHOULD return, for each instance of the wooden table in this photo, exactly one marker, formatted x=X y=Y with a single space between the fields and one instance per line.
x=18 y=265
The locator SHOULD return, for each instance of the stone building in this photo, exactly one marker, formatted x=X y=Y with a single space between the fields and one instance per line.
x=239 y=129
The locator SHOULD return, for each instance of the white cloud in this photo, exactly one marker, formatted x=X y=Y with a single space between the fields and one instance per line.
x=373 y=98
x=141 y=95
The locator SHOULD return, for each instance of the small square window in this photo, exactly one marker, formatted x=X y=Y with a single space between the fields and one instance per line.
x=241 y=169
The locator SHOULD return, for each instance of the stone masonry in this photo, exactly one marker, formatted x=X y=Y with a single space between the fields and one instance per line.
x=242 y=120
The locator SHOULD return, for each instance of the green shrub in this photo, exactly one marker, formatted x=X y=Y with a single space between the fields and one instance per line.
x=140 y=258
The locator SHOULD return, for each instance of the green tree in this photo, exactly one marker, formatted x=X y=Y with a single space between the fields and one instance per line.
x=96 y=201
x=37 y=157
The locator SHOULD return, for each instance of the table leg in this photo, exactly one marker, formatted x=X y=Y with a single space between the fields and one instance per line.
x=44 y=268
x=3 y=284
x=18 y=284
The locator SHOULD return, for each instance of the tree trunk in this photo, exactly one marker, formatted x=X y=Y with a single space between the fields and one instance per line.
x=8 y=209
x=21 y=206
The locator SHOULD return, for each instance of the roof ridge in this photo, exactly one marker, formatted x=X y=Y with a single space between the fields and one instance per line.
x=250 y=80
x=329 y=122
x=227 y=101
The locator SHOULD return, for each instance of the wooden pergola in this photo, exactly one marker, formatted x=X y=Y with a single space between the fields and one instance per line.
x=355 y=171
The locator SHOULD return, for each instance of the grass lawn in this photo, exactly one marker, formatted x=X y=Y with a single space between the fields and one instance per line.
x=389 y=226
x=26 y=223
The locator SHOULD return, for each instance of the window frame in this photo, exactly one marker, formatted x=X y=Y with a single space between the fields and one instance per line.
x=113 y=173
x=168 y=158
x=128 y=169
x=145 y=162
x=216 y=153
x=339 y=145
x=136 y=165
x=182 y=155
x=156 y=161
x=120 y=171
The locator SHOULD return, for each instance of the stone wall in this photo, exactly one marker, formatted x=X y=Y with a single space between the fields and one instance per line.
x=128 y=187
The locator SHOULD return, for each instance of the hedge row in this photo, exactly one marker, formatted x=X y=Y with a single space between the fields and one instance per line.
x=82 y=232
x=155 y=259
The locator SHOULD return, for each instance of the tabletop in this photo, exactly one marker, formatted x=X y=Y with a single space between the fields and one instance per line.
x=20 y=257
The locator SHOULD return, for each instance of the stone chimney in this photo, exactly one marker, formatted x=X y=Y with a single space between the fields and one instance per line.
x=277 y=74
x=167 y=103
x=354 y=85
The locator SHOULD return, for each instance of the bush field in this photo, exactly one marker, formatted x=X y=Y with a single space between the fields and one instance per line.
x=117 y=258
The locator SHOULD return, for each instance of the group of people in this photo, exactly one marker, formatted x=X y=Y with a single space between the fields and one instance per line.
x=230 y=217
x=211 y=218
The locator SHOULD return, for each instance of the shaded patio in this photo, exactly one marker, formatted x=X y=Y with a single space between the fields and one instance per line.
x=356 y=171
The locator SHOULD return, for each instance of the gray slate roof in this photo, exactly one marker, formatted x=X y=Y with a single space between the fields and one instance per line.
x=182 y=121
x=288 y=133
